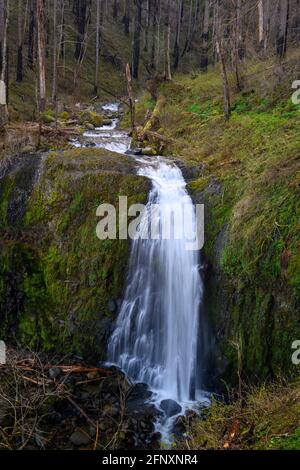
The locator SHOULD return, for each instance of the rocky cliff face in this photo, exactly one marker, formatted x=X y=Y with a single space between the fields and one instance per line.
x=60 y=285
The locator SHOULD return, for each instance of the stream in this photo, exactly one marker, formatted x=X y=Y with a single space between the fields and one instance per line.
x=156 y=338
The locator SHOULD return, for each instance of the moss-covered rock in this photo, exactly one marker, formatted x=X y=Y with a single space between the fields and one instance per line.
x=91 y=117
x=57 y=277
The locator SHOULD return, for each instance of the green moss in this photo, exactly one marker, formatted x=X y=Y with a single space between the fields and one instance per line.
x=92 y=118
x=66 y=275
x=64 y=116
x=47 y=117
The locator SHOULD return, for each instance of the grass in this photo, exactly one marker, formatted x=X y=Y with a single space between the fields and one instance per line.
x=267 y=418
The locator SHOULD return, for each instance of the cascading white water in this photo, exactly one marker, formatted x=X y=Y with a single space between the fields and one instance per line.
x=155 y=340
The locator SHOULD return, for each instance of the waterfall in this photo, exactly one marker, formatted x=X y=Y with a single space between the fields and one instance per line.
x=156 y=336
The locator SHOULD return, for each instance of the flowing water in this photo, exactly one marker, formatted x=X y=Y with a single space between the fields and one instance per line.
x=156 y=336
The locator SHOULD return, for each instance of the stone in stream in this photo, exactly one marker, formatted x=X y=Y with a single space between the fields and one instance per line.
x=149 y=151
x=170 y=407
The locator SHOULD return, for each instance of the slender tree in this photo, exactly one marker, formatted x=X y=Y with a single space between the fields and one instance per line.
x=136 y=45
x=98 y=18
x=283 y=28
x=41 y=53
x=2 y=23
x=115 y=9
x=126 y=17
x=20 y=42
x=205 y=32
x=55 y=42
x=167 y=34
x=178 y=31
x=4 y=67
x=31 y=34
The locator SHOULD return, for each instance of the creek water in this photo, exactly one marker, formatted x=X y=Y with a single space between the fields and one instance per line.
x=156 y=338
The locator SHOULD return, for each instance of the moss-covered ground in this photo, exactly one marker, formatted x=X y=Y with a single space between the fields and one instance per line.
x=57 y=277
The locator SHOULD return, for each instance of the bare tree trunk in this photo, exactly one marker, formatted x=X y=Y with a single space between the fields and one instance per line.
x=54 y=72
x=261 y=23
x=153 y=40
x=115 y=9
x=130 y=96
x=267 y=23
x=61 y=40
x=20 y=42
x=236 y=46
x=178 y=31
x=41 y=54
x=204 y=55
x=2 y=24
x=147 y=26
x=168 y=75
x=158 y=21
x=136 y=46
x=4 y=68
x=126 y=17
x=97 y=46
x=226 y=93
x=283 y=28
x=31 y=35
x=189 y=30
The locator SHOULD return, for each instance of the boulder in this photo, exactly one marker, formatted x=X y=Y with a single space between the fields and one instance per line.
x=170 y=407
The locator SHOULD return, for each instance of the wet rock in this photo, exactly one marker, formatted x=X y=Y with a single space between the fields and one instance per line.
x=80 y=438
x=89 y=126
x=136 y=151
x=138 y=395
x=112 y=306
x=106 y=122
x=54 y=373
x=170 y=407
x=90 y=144
x=149 y=151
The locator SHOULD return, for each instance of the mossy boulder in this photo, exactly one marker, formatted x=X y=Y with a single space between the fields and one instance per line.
x=91 y=117
x=64 y=116
x=47 y=117
x=57 y=277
